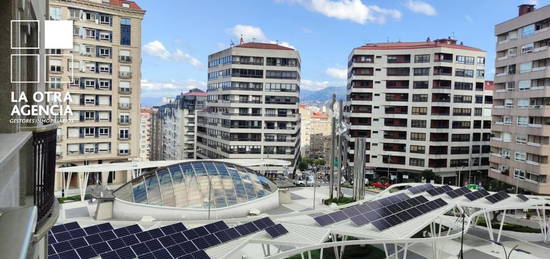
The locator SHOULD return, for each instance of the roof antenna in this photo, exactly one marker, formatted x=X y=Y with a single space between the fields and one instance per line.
x=242 y=40
x=277 y=41
x=232 y=44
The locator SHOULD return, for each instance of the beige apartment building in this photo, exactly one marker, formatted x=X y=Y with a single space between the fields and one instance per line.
x=252 y=105
x=421 y=106
x=102 y=74
x=313 y=121
x=520 y=146
x=145 y=133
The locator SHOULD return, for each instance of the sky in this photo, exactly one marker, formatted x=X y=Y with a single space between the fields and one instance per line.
x=178 y=35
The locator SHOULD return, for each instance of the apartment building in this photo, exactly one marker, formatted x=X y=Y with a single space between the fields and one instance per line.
x=145 y=133
x=520 y=146
x=313 y=121
x=178 y=119
x=252 y=105
x=102 y=74
x=421 y=106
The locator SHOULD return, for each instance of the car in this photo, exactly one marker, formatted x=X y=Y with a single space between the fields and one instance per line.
x=381 y=185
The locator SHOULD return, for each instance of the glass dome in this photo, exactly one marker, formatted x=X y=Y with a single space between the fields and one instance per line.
x=187 y=185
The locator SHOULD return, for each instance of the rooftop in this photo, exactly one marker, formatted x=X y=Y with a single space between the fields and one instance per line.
x=440 y=43
x=132 y=5
x=259 y=45
x=319 y=115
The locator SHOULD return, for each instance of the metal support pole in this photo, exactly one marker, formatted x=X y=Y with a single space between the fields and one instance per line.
x=339 y=152
x=501 y=225
x=314 y=185
x=332 y=150
x=359 y=169
x=209 y=195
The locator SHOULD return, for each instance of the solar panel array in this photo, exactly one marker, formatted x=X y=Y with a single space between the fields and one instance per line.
x=420 y=188
x=499 y=196
x=276 y=230
x=522 y=197
x=346 y=213
x=439 y=190
x=408 y=213
x=472 y=196
x=171 y=241
x=458 y=192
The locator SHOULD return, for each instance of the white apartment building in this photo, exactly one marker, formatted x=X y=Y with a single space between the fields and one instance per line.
x=145 y=128
x=421 y=106
x=252 y=106
x=179 y=126
x=102 y=74
x=312 y=122
x=521 y=129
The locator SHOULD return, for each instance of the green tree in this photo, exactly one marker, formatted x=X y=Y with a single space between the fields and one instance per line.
x=428 y=174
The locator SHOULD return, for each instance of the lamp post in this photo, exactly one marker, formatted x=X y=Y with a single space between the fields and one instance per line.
x=314 y=185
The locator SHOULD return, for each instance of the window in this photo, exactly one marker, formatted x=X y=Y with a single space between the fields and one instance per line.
x=422 y=71
x=480 y=73
x=523 y=103
x=124 y=133
x=104 y=132
x=524 y=84
x=462 y=111
x=420 y=84
x=480 y=60
x=523 y=120
x=420 y=98
x=417 y=149
x=507 y=120
x=460 y=137
x=521 y=138
x=528 y=30
x=105 y=19
x=525 y=67
x=55 y=82
x=463 y=86
x=104 y=52
x=461 y=124
x=465 y=60
x=460 y=150
x=508 y=103
x=527 y=48
x=104 y=36
x=89 y=132
x=416 y=162
x=104 y=68
x=464 y=72
x=104 y=84
x=418 y=136
x=89 y=99
x=55 y=13
x=520 y=156
x=282 y=74
x=125 y=31
x=418 y=123
x=419 y=110
x=462 y=99
x=422 y=58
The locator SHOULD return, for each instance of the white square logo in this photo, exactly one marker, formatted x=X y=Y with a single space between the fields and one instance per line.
x=58 y=34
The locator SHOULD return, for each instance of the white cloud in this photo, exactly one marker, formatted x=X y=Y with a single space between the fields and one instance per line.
x=337 y=73
x=157 y=49
x=318 y=85
x=535 y=2
x=353 y=10
x=168 y=88
x=418 y=6
x=253 y=33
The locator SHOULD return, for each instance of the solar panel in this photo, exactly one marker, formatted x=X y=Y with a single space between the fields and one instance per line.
x=324 y=220
x=105 y=226
x=497 y=197
x=140 y=249
x=351 y=211
x=78 y=242
x=91 y=230
x=188 y=247
x=360 y=220
x=232 y=233
x=338 y=216
x=153 y=244
x=116 y=243
x=420 y=188
x=276 y=230
x=381 y=224
x=458 y=192
x=484 y=192
x=100 y=248
x=200 y=255
x=473 y=196
x=175 y=251
x=522 y=197
x=125 y=252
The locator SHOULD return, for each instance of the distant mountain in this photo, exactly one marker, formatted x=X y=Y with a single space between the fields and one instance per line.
x=151 y=101
x=323 y=94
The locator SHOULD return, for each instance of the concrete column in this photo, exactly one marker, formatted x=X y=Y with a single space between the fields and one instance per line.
x=359 y=169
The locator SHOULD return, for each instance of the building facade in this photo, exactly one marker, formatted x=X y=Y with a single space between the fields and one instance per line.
x=102 y=75
x=313 y=122
x=520 y=146
x=421 y=106
x=252 y=107
x=145 y=134
x=178 y=119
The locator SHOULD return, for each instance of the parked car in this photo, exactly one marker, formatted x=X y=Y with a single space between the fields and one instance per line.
x=381 y=185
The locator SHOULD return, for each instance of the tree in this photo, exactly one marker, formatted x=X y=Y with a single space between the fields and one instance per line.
x=428 y=174
x=302 y=164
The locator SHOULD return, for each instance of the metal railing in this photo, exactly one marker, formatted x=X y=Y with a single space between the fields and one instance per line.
x=44 y=146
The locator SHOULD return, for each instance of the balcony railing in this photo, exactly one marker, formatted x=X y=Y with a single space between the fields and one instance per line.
x=124 y=106
x=125 y=59
x=125 y=75
x=44 y=145
x=124 y=90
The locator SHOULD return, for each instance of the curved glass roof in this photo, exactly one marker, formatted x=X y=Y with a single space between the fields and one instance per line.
x=187 y=185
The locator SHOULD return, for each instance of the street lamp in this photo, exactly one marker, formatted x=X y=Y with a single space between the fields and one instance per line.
x=507 y=255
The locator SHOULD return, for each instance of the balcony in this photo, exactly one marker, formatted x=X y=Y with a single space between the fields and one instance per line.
x=124 y=106
x=122 y=121
x=125 y=75
x=125 y=59
x=124 y=90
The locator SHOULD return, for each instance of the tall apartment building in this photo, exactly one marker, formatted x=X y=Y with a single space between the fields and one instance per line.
x=312 y=122
x=421 y=106
x=520 y=146
x=145 y=133
x=103 y=73
x=252 y=106
x=179 y=126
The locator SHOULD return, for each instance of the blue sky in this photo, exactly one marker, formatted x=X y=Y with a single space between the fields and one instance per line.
x=178 y=35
